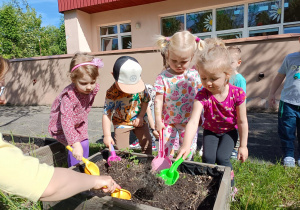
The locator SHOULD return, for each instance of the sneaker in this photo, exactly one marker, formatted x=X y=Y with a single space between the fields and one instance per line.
x=234 y=154
x=233 y=193
x=154 y=146
x=135 y=145
x=289 y=162
x=201 y=152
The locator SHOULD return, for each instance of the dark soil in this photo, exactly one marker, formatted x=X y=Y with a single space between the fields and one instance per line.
x=189 y=192
x=25 y=147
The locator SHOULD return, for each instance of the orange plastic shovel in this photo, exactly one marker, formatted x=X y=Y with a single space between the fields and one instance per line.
x=90 y=167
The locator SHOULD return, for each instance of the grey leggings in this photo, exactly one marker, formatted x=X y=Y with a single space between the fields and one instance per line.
x=217 y=148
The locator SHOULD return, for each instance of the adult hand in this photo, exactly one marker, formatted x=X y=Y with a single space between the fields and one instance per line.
x=107 y=182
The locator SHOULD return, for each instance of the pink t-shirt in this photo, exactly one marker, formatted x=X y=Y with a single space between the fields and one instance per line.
x=69 y=115
x=221 y=117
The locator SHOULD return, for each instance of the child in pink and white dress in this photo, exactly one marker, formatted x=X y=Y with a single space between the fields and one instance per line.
x=176 y=88
x=69 y=111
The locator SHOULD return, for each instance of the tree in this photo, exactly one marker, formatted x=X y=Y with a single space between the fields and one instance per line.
x=22 y=36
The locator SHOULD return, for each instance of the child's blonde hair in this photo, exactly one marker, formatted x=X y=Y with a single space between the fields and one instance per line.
x=214 y=57
x=91 y=70
x=235 y=52
x=180 y=41
x=4 y=65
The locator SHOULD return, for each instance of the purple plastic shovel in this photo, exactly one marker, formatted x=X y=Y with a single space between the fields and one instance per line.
x=161 y=161
x=113 y=156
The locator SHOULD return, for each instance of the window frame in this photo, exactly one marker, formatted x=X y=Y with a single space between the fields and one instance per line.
x=117 y=35
x=245 y=30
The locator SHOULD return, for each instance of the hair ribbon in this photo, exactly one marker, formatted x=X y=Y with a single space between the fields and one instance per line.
x=95 y=62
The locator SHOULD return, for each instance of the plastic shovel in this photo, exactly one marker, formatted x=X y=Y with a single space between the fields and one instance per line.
x=90 y=167
x=171 y=175
x=113 y=156
x=161 y=161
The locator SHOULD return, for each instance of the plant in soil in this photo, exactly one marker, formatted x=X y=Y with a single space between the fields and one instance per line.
x=135 y=175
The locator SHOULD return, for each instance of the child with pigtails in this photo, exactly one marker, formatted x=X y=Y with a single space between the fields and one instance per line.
x=176 y=87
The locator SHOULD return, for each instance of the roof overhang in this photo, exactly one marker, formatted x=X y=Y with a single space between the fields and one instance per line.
x=94 y=6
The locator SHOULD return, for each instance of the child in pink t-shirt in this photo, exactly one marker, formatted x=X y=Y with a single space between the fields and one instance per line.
x=69 y=112
x=224 y=109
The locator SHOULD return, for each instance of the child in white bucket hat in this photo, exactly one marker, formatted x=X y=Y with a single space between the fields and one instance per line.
x=125 y=106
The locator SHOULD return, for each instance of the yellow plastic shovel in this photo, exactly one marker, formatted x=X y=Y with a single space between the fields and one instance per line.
x=90 y=167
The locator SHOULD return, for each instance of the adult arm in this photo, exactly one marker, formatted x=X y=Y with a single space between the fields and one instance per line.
x=66 y=183
x=275 y=85
x=243 y=131
x=190 y=130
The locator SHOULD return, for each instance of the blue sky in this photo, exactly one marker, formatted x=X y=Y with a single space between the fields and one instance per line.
x=48 y=9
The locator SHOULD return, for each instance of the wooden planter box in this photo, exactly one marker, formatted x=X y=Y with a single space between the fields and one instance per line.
x=85 y=201
x=50 y=151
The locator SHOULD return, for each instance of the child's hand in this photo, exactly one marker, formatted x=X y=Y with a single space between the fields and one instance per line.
x=242 y=154
x=108 y=182
x=271 y=101
x=159 y=125
x=138 y=121
x=107 y=140
x=184 y=151
x=156 y=134
x=77 y=151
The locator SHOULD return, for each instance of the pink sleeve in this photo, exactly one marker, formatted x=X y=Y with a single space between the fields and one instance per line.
x=240 y=96
x=159 y=85
x=67 y=122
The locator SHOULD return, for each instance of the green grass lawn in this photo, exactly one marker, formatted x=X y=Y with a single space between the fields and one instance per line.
x=260 y=186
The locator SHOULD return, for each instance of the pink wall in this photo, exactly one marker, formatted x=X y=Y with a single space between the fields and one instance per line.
x=51 y=73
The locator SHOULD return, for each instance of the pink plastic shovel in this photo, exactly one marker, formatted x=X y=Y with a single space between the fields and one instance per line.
x=161 y=161
x=113 y=156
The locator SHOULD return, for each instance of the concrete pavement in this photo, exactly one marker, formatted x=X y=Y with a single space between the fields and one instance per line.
x=263 y=141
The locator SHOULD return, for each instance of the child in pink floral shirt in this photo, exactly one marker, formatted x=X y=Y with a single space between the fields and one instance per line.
x=176 y=88
x=69 y=111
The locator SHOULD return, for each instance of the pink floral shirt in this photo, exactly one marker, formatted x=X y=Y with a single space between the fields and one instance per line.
x=69 y=115
x=179 y=92
x=221 y=117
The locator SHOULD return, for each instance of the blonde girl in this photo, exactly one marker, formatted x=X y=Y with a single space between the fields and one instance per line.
x=224 y=108
x=69 y=111
x=176 y=87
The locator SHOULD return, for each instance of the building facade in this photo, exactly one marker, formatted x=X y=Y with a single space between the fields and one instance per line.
x=105 y=25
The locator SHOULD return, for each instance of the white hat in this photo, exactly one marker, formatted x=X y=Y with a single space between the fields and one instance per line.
x=127 y=73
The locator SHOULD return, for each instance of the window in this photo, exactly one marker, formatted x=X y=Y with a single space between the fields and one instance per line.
x=199 y=22
x=250 y=19
x=116 y=37
x=170 y=25
x=230 y=18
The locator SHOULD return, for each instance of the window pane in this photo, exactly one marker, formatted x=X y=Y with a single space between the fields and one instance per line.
x=291 y=10
x=230 y=18
x=234 y=35
x=171 y=25
x=264 y=13
x=126 y=42
x=204 y=37
x=291 y=29
x=108 y=30
x=109 y=43
x=263 y=32
x=125 y=28
x=199 y=22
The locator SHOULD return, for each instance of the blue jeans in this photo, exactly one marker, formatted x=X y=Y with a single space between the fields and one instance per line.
x=288 y=121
